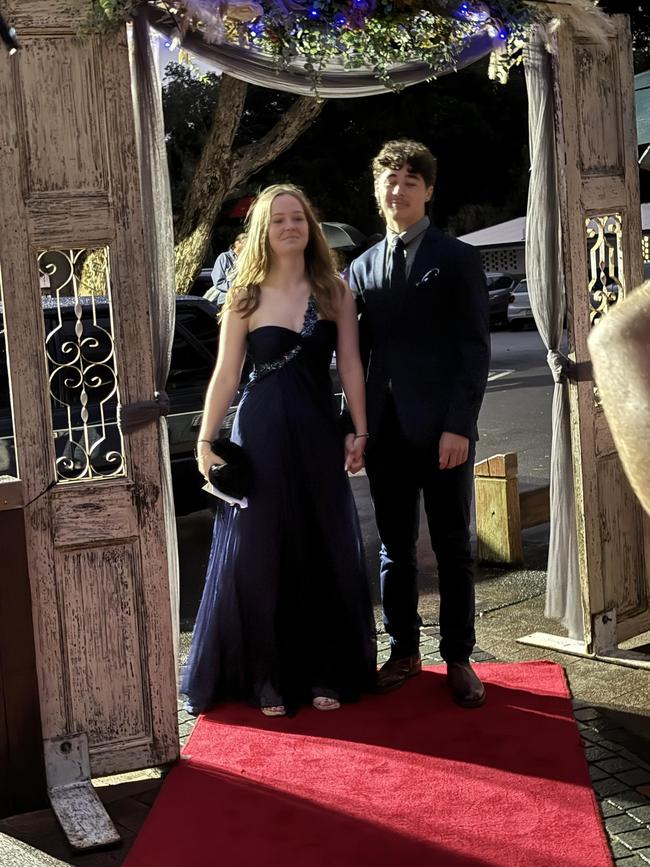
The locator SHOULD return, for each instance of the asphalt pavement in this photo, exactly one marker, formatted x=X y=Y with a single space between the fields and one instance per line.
x=516 y=413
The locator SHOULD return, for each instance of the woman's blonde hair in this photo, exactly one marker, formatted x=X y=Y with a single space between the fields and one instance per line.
x=254 y=261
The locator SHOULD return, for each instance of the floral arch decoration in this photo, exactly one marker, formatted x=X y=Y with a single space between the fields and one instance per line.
x=381 y=38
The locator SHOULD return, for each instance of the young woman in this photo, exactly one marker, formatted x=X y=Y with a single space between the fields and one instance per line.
x=286 y=616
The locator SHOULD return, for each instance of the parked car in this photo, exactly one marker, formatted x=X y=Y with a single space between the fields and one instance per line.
x=519 y=310
x=500 y=288
x=202 y=283
x=194 y=351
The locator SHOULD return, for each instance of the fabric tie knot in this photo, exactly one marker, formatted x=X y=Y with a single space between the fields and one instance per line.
x=558 y=363
x=131 y=416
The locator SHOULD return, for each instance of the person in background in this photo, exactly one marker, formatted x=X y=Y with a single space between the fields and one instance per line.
x=222 y=270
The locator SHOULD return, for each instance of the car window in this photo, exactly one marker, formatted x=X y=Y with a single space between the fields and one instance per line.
x=521 y=288
x=201 y=323
x=194 y=348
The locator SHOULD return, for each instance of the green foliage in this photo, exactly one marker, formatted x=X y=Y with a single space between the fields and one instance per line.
x=188 y=101
x=375 y=34
x=394 y=32
x=106 y=15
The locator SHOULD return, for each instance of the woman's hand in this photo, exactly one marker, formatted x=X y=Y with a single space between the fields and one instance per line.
x=354 y=452
x=207 y=459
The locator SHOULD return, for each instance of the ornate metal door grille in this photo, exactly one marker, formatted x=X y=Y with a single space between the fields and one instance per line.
x=605 y=263
x=82 y=373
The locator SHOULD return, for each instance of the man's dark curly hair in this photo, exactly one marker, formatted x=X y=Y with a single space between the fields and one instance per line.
x=405 y=152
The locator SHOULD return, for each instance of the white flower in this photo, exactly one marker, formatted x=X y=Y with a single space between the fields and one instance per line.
x=243 y=10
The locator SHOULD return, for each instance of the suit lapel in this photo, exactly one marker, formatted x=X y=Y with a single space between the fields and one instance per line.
x=378 y=265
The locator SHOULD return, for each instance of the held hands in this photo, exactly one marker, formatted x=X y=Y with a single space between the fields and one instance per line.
x=354 y=449
x=453 y=450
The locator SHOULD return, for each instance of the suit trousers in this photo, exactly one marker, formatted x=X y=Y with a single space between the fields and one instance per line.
x=399 y=473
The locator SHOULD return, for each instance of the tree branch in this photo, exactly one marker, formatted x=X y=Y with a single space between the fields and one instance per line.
x=251 y=158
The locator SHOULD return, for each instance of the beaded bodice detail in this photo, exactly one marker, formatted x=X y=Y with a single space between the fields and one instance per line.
x=308 y=326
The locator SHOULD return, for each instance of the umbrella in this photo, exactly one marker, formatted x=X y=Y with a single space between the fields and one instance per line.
x=341 y=236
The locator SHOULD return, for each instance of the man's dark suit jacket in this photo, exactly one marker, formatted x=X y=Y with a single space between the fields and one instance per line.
x=430 y=344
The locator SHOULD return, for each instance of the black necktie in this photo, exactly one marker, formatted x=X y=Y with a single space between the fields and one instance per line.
x=397 y=268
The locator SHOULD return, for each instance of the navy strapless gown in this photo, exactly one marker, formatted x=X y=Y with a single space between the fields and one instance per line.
x=286 y=610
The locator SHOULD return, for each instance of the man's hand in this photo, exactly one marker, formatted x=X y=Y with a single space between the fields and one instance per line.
x=453 y=450
x=354 y=449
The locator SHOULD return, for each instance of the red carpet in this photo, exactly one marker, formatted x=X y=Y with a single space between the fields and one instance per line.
x=402 y=779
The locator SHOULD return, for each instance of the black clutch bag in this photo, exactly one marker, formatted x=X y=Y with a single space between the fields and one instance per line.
x=234 y=477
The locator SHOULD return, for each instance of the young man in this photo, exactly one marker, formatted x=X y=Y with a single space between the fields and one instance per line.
x=425 y=342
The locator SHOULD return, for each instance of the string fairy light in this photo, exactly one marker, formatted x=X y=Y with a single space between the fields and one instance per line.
x=8 y=36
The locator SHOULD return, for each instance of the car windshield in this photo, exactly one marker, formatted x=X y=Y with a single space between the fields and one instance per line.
x=498 y=282
x=522 y=288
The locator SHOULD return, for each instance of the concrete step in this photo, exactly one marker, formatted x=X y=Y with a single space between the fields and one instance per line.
x=14 y=853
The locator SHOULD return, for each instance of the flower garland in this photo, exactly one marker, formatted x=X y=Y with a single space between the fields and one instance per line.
x=361 y=33
x=376 y=34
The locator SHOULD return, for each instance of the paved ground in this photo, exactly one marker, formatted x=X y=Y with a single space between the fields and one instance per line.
x=516 y=412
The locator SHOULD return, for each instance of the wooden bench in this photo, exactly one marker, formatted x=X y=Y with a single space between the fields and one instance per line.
x=503 y=510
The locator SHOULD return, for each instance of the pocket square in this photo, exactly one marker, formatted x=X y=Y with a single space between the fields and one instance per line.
x=430 y=275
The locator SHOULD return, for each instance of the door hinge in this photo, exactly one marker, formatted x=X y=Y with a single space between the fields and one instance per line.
x=78 y=808
x=604 y=631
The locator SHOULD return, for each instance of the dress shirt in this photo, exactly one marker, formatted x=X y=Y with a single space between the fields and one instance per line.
x=412 y=238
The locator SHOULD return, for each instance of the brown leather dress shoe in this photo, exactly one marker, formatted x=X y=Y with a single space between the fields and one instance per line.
x=466 y=688
x=393 y=673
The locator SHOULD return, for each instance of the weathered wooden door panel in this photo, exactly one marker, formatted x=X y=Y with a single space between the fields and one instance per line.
x=72 y=156
x=69 y=184
x=601 y=222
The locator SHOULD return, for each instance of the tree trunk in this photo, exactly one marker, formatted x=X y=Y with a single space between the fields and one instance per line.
x=219 y=170
x=93 y=273
x=210 y=183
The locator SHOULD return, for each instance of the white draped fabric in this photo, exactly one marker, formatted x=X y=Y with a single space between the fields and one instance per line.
x=159 y=246
x=544 y=270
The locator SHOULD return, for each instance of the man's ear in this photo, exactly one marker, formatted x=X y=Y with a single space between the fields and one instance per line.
x=429 y=194
x=378 y=199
